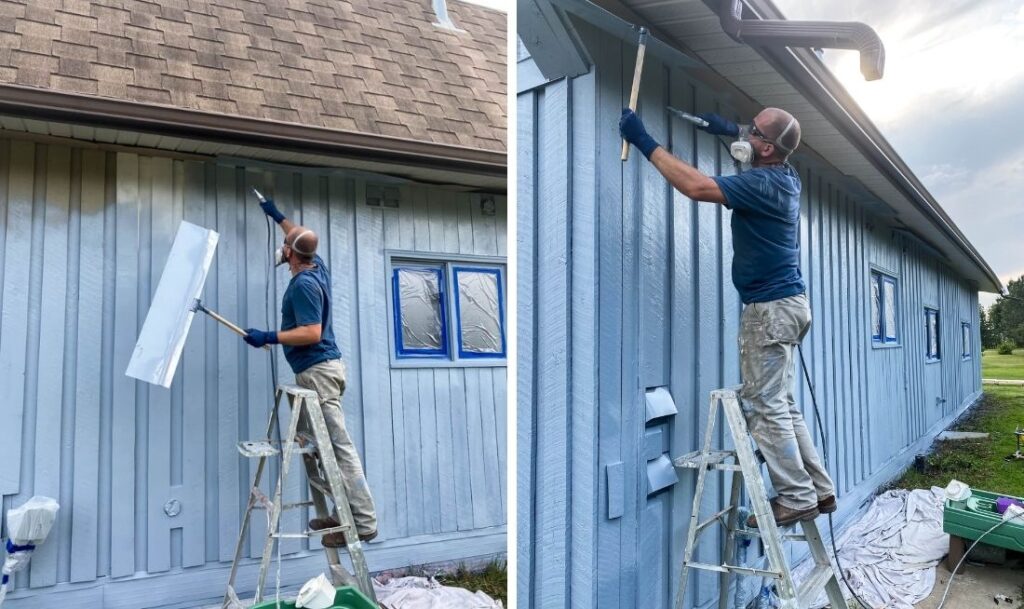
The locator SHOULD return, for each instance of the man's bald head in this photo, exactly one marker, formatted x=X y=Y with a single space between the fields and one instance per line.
x=303 y=242
x=779 y=128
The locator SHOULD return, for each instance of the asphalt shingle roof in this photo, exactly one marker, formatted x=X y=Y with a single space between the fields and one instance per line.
x=371 y=66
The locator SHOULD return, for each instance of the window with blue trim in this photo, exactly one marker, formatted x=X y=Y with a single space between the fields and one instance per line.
x=421 y=328
x=965 y=332
x=884 y=325
x=479 y=311
x=931 y=330
x=444 y=312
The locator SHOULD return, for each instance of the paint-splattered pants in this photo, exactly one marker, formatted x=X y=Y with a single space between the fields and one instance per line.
x=327 y=379
x=769 y=335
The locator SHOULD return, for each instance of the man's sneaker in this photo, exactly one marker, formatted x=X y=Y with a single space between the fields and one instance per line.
x=337 y=540
x=785 y=516
x=828 y=505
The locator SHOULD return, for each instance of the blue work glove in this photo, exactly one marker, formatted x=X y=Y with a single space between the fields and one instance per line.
x=718 y=125
x=258 y=338
x=271 y=210
x=632 y=130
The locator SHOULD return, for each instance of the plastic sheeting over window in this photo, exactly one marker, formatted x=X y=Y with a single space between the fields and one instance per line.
x=420 y=304
x=876 y=307
x=965 y=331
x=480 y=312
x=932 y=331
x=889 y=299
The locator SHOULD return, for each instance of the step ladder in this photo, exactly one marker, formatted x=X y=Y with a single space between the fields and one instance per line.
x=746 y=468
x=325 y=481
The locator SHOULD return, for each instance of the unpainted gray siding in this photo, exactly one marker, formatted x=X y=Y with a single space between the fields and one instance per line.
x=85 y=235
x=624 y=286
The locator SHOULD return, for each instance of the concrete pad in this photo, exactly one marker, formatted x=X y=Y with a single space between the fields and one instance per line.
x=962 y=435
x=975 y=586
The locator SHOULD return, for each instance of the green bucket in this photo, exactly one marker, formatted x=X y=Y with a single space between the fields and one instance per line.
x=346 y=597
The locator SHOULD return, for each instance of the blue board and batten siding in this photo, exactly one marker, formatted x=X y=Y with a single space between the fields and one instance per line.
x=85 y=234
x=624 y=288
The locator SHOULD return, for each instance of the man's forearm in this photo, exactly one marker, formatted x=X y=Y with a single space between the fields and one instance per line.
x=299 y=336
x=686 y=178
x=286 y=225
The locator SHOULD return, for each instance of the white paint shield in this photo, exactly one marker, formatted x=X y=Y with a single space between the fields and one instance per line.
x=170 y=314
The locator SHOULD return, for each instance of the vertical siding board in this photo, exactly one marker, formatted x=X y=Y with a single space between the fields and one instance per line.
x=489 y=452
x=14 y=328
x=477 y=472
x=51 y=338
x=460 y=432
x=231 y=482
x=447 y=465
x=193 y=382
x=608 y=62
x=584 y=499
x=84 y=508
x=684 y=337
x=158 y=463
x=123 y=417
x=553 y=433
x=526 y=405
x=485 y=240
x=428 y=442
x=500 y=386
x=501 y=222
x=392 y=429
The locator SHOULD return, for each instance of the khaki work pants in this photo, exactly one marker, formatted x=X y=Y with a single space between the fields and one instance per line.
x=769 y=335
x=327 y=379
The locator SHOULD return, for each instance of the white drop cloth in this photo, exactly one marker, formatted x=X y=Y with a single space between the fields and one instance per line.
x=423 y=593
x=890 y=553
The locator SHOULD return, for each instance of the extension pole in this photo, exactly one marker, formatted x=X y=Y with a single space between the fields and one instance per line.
x=635 y=91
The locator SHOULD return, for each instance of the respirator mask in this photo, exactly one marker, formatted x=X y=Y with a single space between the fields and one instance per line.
x=279 y=258
x=741 y=149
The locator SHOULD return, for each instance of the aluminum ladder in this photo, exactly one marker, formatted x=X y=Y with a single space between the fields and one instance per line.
x=746 y=468
x=325 y=481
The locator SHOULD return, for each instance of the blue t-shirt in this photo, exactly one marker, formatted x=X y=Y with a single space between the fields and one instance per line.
x=765 y=232
x=307 y=301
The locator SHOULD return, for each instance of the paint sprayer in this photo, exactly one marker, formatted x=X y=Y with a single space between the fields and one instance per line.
x=27 y=527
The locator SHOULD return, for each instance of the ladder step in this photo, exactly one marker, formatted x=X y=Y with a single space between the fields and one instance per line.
x=310 y=533
x=757 y=534
x=254 y=449
x=696 y=459
x=810 y=589
x=724 y=568
x=321 y=485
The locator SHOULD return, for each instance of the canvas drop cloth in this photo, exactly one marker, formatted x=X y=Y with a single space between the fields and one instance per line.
x=889 y=555
x=423 y=593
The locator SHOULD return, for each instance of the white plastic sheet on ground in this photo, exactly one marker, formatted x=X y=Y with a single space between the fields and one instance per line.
x=889 y=555
x=423 y=593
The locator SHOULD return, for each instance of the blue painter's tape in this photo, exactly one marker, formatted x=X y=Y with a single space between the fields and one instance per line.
x=463 y=354
x=401 y=349
x=13 y=547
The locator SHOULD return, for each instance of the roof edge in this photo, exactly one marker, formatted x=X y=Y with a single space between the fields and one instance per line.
x=30 y=102
x=840 y=107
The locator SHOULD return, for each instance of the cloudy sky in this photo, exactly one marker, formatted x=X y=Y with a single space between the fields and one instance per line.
x=951 y=103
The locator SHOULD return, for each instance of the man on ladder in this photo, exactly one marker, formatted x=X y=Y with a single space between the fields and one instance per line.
x=765 y=201
x=307 y=338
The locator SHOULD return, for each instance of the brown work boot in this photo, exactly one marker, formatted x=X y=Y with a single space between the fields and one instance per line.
x=337 y=540
x=828 y=505
x=785 y=516
x=323 y=523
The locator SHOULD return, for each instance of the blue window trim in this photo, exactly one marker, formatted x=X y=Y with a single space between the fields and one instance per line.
x=930 y=313
x=458 y=311
x=880 y=278
x=965 y=346
x=396 y=297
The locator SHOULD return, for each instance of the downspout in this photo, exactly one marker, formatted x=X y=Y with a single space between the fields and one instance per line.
x=806 y=34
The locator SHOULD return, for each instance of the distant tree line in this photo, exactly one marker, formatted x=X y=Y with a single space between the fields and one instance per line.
x=1002 y=325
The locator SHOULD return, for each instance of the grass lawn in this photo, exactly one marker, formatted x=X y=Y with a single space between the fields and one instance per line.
x=980 y=463
x=492 y=581
x=1009 y=367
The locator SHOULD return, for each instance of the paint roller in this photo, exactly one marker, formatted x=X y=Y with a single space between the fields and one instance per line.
x=197 y=305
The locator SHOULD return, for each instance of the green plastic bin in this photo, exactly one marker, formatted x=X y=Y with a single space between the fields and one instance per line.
x=346 y=597
x=969 y=519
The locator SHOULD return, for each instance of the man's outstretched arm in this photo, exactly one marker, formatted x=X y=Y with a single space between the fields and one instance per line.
x=268 y=207
x=683 y=177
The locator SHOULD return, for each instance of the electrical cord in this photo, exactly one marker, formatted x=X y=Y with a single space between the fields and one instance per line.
x=824 y=446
